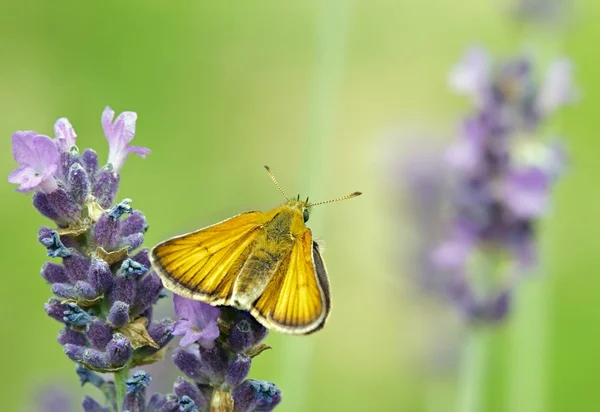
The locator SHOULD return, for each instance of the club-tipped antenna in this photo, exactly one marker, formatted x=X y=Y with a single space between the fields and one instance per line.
x=275 y=181
x=348 y=196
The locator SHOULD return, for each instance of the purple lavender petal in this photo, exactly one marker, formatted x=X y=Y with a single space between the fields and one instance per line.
x=200 y=313
x=38 y=161
x=119 y=134
x=471 y=76
x=526 y=193
x=558 y=88
x=65 y=135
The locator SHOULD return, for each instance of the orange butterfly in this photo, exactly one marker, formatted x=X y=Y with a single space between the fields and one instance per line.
x=264 y=263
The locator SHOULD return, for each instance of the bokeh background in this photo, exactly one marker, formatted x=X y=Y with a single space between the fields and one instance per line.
x=314 y=89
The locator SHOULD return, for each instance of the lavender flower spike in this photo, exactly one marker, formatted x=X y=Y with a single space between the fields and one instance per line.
x=65 y=135
x=38 y=162
x=119 y=133
x=198 y=322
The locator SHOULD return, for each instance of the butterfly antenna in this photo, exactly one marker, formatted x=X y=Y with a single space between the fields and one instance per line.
x=276 y=183
x=348 y=196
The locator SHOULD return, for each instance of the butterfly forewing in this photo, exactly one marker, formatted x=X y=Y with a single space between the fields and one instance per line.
x=205 y=264
x=296 y=300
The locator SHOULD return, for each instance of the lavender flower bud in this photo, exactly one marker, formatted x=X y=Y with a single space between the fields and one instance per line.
x=134 y=223
x=183 y=388
x=53 y=243
x=65 y=290
x=133 y=241
x=160 y=332
x=190 y=364
x=130 y=268
x=214 y=363
x=118 y=350
x=118 y=314
x=86 y=375
x=253 y=395
x=99 y=334
x=100 y=276
x=120 y=209
x=95 y=359
x=142 y=257
x=89 y=159
x=147 y=293
x=187 y=404
x=54 y=273
x=238 y=369
x=105 y=187
x=159 y=403
x=64 y=205
x=67 y=159
x=245 y=333
x=66 y=335
x=135 y=398
x=55 y=309
x=89 y=404
x=78 y=183
x=106 y=232
x=75 y=316
x=123 y=290
x=42 y=204
x=84 y=290
x=77 y=266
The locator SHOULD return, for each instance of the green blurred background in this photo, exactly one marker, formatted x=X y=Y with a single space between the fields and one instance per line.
x=310 y=88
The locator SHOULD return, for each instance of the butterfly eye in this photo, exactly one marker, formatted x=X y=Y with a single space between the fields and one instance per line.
x=305 y=215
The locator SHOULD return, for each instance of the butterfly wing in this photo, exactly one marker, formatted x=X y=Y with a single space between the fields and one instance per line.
x=203 y=265
x=296 y=299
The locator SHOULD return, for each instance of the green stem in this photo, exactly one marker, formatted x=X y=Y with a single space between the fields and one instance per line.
x=473 y=371
x=528 y=349
x=120 y=377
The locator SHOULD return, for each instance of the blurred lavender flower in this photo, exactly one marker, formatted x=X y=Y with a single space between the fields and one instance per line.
x=498 y=178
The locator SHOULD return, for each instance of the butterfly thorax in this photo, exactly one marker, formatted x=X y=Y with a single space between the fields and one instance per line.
x=283 y=226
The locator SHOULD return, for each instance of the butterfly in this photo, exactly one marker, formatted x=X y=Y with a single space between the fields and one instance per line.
x=265 y=263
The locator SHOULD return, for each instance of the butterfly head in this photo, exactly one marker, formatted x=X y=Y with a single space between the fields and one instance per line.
x=303 y=205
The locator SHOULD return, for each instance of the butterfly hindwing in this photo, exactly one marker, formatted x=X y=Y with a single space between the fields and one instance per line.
x=204 y=264
x=296 y=299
